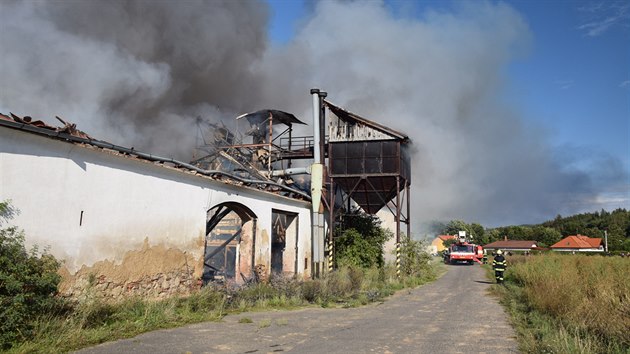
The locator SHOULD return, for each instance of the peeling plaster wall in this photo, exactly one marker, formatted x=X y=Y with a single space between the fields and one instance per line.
x=92 y=206
x=388 y=221
x=244 y=264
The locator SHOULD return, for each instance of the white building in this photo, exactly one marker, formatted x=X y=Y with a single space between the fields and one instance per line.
x=125 y=222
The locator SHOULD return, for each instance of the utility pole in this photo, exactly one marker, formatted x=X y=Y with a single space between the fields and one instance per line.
x=606 y=241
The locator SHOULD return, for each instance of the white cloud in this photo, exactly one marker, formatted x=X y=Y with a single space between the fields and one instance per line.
x=602 y=16
x=624 y=84
x=564 y=84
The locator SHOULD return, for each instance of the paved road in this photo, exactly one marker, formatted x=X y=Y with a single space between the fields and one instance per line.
x=451 y=315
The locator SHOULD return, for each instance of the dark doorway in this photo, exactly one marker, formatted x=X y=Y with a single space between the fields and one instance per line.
x=282 y=226
x=224 y=224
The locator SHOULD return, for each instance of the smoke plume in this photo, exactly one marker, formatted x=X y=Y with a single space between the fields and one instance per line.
x=138 y=73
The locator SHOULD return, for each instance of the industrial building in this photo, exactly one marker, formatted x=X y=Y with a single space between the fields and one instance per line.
x=129 y=222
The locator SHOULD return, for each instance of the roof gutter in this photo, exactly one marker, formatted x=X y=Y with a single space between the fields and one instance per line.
x=150 y=157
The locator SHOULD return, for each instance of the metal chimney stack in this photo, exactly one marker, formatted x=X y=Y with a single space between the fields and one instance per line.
x=317 y=177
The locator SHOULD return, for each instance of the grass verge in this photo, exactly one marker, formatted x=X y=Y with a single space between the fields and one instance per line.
x=568 y=303
x=93 y=321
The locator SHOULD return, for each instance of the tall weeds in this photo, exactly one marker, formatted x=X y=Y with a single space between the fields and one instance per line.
x=583 y=301
x=93 y=321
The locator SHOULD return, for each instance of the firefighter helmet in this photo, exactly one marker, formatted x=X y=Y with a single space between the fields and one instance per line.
x=499 y=252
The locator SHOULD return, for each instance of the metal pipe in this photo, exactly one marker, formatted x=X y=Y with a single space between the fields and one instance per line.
x=331 y=217
x=322 y=128
x=290 y=138
x=398 y=227
x=270 y=140
x=297 y=245
x=316 y=138
x=398 y=209
x=408 y=183
x=254 y=225
x=316 y=186
x=290 y=171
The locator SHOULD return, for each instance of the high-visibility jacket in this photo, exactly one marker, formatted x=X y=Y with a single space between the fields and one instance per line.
x=499 y=263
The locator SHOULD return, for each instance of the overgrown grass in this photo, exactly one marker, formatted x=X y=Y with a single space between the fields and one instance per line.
x=94 y=321
x=569 y=303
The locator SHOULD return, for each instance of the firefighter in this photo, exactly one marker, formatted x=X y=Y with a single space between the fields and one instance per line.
x=499 y=264
x=485 y=256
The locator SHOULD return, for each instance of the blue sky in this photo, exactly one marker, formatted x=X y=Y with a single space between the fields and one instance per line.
x=576 y=77
x=573 y=80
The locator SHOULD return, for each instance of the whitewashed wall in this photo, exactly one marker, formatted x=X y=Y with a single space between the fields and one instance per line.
x=123 y=202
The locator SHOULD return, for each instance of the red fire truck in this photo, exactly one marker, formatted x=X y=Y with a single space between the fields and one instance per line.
x=463 y=251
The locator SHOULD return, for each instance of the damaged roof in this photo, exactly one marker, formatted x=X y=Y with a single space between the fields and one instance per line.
x=68 y=128
x=69 y=133
x=353 y=118
x=264 y=114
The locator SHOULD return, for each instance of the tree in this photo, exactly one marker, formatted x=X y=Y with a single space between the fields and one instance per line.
x=519 y=233
x=28 y=282
x=454 y=226
x=7 y=211
x=492 y=235
x=616 y=238
x=546 y=236
x=414 y=258
x=359 y=240
x=449 y=242
x=478 y=232
x=474 y=231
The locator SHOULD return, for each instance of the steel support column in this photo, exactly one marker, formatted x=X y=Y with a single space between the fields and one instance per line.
x=331 y=225
x=398 y=227
x=408 y=188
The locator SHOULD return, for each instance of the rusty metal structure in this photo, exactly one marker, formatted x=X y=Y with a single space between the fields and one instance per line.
x=366 y=165
x=368 y=161
x=254 y=153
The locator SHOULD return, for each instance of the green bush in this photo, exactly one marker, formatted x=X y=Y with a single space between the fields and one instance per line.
x=359 y=241
x=355 y=250
x=414 y=260
x=28 y=283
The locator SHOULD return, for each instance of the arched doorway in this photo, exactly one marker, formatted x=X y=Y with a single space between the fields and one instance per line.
x=226 y=224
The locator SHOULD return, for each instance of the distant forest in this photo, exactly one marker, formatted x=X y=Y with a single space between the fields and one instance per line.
x=617 y=223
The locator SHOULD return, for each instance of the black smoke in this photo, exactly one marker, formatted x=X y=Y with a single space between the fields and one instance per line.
x=138 y=73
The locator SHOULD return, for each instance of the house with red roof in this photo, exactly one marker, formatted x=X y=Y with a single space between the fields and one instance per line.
x=513 y=245
x=579 y=243
x=437 y=245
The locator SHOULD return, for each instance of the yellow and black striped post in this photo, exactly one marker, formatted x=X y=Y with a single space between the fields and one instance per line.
x=398 y=260
x=326 y=250
x=330 y=256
